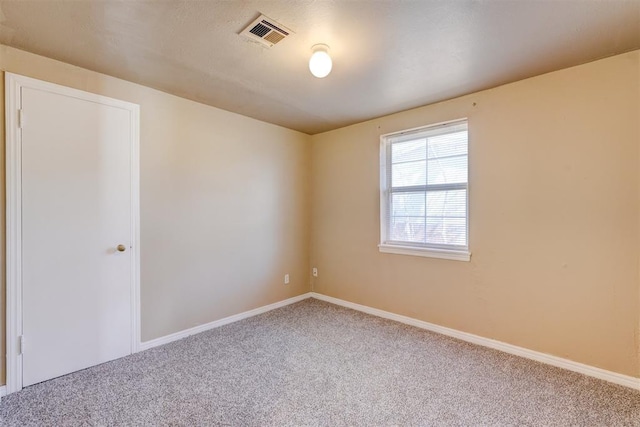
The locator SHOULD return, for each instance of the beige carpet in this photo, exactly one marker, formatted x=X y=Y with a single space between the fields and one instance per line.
x=316 y=364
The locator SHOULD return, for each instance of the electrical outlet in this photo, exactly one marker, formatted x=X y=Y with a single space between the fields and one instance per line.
x=314 y=272
x=286 y=279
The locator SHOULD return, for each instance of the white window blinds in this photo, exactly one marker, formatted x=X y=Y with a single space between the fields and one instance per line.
x=424 y=190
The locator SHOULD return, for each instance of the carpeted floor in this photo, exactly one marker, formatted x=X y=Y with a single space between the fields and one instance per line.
x=316 y=364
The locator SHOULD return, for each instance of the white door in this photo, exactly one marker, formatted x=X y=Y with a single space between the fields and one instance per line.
x=77 y=298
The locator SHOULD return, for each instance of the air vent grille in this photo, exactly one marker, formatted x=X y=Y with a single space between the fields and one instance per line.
x=260 y=30
x=266 y=31
x=274 y=37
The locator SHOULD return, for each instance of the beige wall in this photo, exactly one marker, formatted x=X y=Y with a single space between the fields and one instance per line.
x=554 y=217
x=224 y=203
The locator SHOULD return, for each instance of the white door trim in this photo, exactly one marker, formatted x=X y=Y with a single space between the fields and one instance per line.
x=13 y=85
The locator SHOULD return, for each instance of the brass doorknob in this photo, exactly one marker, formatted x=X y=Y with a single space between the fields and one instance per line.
x=121 y=248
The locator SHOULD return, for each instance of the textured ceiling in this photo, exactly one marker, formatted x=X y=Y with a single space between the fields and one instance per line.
x=388 y=55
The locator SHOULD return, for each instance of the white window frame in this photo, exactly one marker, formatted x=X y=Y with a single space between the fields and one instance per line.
x=459 y=253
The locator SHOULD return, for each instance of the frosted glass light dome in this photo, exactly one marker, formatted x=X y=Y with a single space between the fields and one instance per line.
x=320 y=63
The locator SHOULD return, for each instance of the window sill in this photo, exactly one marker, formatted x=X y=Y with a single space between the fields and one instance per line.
x=429 y=253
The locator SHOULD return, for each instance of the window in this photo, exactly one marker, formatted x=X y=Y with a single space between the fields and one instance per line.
x=424 y=192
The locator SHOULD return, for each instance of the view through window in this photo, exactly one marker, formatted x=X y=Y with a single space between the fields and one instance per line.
x=424 y=188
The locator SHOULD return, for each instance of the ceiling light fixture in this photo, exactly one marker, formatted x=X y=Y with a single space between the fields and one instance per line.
x=320 y=62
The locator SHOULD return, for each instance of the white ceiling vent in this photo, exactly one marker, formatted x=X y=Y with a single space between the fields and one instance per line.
x=266 y=31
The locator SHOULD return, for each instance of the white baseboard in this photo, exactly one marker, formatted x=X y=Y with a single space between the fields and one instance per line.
x=217 y=323
x=559 y=362
x=3 y=391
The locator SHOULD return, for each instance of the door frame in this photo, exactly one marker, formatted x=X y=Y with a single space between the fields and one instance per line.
x=13 y=118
